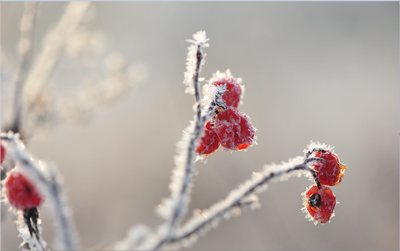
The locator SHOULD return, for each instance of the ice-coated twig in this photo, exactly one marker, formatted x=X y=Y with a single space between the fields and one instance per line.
x=49 y=183
x=25 y=48
x=174 y=208
x=245 y=196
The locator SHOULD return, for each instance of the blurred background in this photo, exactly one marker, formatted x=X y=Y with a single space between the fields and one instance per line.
x=318 y=71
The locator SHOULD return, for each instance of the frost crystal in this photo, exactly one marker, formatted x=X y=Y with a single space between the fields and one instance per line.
x=227 y=74
x=317 y=145
x=28 y=241
x=199 y=41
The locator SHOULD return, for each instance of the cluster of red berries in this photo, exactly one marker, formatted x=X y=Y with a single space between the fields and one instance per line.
x=319 y=200
x=229 y=128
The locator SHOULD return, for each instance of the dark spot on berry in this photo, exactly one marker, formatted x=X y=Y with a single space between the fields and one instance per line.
x=28 y=189
x=314 y=200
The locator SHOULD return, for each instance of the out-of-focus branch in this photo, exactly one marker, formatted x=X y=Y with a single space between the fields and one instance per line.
x=96 y=93
x=25 y=48
x=45 y=63
x=49 y=182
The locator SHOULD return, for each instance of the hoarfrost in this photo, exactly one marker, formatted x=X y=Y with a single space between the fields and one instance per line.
x=317 y=145
x=227 y=74
x=199 y=41
x=29 y=241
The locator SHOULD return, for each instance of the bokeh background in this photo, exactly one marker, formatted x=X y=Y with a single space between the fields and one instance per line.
x=318 y=71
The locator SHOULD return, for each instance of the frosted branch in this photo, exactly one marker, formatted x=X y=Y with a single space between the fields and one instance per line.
x=174 y=208
x=49 y=182
x=245 y=196
x=176 y=205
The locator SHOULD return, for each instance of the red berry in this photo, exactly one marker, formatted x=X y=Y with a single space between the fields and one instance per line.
x=331 y=172
x=234 y=129
x=209 y=143
x=233 y=91
x=21 y=192
x=3 y=153
x=320 y=203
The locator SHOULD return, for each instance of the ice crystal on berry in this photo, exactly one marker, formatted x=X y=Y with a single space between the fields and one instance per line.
x=234 y=90
x=231 y=96
x=234 y=129
x=209 y=143
x=319 y=204
x=329 y=172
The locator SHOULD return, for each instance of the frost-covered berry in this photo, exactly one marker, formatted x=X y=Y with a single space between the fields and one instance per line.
x=21 y=193
x=3 y=153
x=330 y=172
x=234 y=129
x=319 y=203
x=233 y=92
x=209 y=143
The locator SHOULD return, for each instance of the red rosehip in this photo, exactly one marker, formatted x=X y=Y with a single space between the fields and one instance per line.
x=234 y=129
x=331 y=172
x=320 y=203
x=209 y=143
x=21 y=192
x=233 y=91
x=3 y=153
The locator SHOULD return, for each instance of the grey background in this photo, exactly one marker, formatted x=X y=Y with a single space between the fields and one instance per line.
x=318 y=71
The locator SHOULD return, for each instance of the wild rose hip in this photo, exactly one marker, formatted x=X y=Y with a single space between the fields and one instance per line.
x=233 y=91
x=330 y=172
x=234 y=129
x=3 y=153
x=21 y=192
x=320 y=203
x=209 y=143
